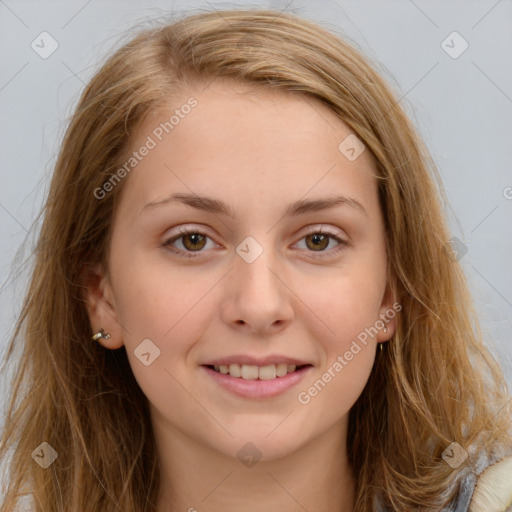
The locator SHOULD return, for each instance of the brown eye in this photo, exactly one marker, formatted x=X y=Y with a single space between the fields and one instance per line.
x=317 y=241
x=193 y=241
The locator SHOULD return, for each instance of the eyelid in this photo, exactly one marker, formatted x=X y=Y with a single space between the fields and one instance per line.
x=311 y=229
x=183 y=231
x=319 y=228
x=343 y=242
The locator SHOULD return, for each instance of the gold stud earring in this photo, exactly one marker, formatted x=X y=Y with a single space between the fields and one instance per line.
x=101 y=334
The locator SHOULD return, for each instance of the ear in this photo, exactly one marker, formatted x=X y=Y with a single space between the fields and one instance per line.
x=388 y=312
x=101 y=307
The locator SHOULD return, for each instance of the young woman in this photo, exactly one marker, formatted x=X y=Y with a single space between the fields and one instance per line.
x=244 y=295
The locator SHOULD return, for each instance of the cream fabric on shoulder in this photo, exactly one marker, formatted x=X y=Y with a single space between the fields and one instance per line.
x=493 y=491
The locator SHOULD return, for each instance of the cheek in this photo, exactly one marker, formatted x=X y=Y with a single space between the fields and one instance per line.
x=157 y=302
x=153 y=295
x=344 y=305
x=332 y=393
x=345 y=347
x=343 y=325
x=155 y=305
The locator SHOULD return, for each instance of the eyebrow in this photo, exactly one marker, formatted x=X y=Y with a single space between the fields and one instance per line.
x=216 y=206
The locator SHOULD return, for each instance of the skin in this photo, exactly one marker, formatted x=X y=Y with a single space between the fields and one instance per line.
x=258 y=151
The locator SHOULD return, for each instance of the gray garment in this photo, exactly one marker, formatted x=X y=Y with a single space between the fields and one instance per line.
x=466 y=483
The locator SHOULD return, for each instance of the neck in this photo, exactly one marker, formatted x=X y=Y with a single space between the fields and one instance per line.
x=196 y=478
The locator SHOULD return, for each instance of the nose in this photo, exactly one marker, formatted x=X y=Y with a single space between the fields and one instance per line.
x=257 y=298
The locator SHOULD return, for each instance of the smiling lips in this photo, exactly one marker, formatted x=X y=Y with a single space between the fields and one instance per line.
x=252 y=368
x=255 y=381
x=252 y=372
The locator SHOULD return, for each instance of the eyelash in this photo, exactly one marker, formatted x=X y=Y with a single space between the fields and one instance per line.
x=194 y=254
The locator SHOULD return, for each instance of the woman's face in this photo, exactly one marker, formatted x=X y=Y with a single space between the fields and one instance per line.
x=255 y=283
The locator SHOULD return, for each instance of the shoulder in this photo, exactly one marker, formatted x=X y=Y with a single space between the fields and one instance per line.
x=493 y=491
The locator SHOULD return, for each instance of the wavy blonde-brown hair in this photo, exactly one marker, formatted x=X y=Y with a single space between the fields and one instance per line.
x=434 y=384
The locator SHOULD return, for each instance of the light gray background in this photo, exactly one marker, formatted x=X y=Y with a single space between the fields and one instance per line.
x=462 y=107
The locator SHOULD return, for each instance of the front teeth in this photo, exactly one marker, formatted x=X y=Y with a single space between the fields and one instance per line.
x=250 y=372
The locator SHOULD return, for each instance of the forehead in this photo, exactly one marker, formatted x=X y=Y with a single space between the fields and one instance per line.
x=246 y=141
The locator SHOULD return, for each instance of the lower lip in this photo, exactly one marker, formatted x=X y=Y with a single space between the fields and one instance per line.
x=257 y=388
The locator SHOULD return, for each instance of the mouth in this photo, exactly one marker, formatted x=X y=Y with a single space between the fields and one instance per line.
x=253 y=372
x=257 y=382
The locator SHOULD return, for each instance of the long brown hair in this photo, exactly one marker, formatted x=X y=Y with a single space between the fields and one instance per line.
x=434 y=384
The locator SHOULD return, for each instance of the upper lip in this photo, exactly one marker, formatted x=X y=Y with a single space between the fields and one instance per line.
x=255 y=361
